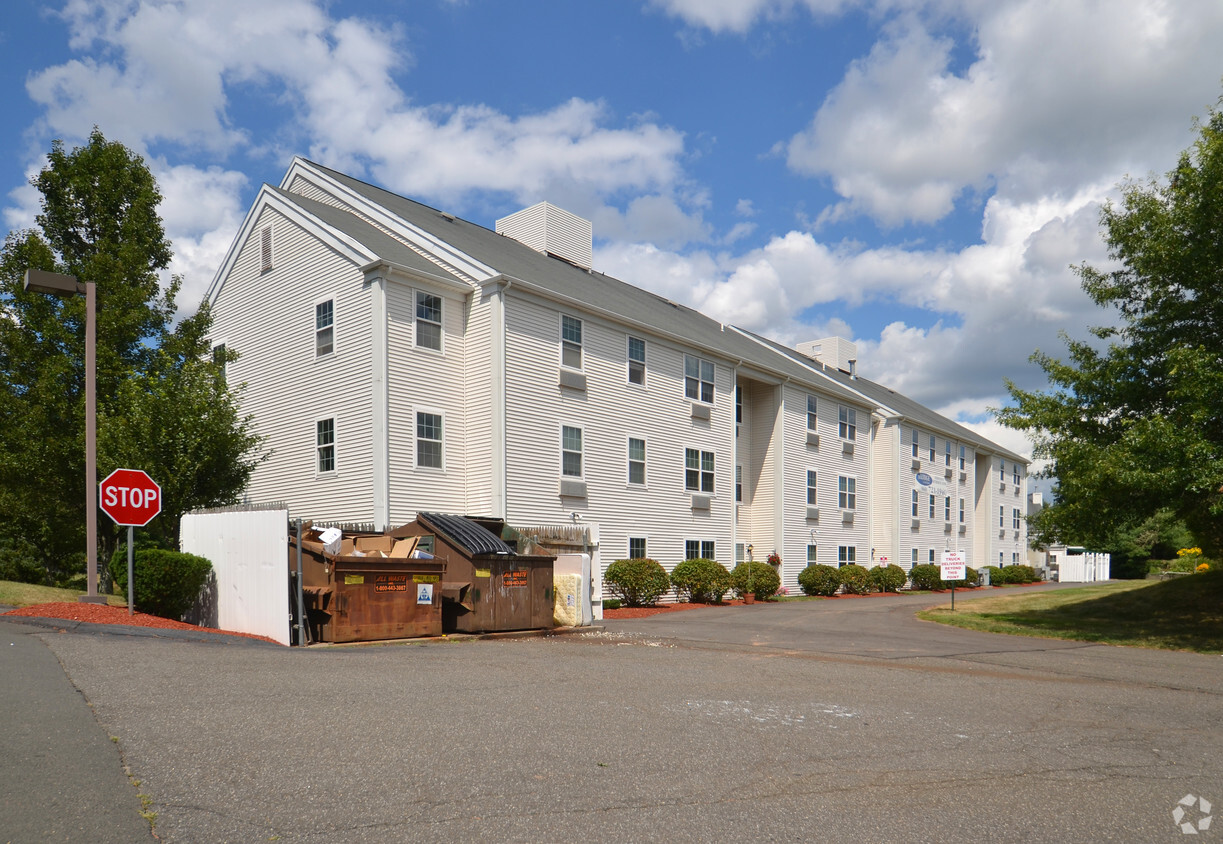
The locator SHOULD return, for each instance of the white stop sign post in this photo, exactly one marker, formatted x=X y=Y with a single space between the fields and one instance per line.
x=130 y=497
x=952 y=569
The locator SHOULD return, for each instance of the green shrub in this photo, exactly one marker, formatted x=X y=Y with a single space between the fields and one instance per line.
x=702 y=581
x=887 y=578
x=819 y=580
x=926 y=577
x=763 y=578
x=611 y=603
x=167 y=582
x=855 y=579
x=1023 y=574
x=638 y=582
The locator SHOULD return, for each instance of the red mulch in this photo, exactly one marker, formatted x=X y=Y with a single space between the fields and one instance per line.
x=644 y=612
x=105 y=614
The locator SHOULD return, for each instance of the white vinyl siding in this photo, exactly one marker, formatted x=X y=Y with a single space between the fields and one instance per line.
x=280 y=367
x=420 y=380
x=607 y=413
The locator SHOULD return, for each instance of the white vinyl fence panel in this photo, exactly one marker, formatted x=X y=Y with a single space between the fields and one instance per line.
x=249 y=555
x=1084 y=568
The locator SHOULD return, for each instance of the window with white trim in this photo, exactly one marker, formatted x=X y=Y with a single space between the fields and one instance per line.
x=932 y=555
x=324 y=328
x=636 y=461
x=636 y=547
x=961 y=511
x=812 y=494
x=702 y=549
x=1014 y=558
x=428 y=321
x=947 y=454
x=847 y=423
x=915 y=503
x=847 y=493
x=428 y=440
x=1002 y=470
x=1015 y=473
x=913 y=556
x=812 y=554
x=571 y=451
x=947 y=508
x=636 y=361
x=847 y=555
x=812 y=419
x=932 y=448
x=961 y=458
x=1001 y=517
x=738 y=408
x=698 y=470
x=1015 y=517
x=571 y=342
x=698 y=379
x=324 y=445
x=932 y=506
x=740 y=552
x=915 y=435
x=738 y=483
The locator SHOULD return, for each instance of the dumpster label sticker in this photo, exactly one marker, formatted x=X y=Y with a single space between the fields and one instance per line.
x=514 y=578
x=354 y=579
x=424 y=593
x=484 y=572
x=426 y=578
x=390 y=583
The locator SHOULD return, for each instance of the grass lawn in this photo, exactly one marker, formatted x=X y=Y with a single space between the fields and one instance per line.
x=1185 y=614
x=24 y=594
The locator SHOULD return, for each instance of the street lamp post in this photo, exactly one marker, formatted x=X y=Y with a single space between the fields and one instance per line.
x=66 y=286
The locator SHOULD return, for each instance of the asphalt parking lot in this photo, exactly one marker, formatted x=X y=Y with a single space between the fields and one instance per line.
x=831 y=721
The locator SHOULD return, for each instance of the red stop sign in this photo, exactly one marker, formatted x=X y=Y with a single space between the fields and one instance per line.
x=130 y=497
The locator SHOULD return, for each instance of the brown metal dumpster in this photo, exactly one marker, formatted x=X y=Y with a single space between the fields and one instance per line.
x=360 y=595
x=488 y=586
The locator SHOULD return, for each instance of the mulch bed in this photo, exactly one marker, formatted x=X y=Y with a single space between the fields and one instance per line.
x=645 y=612
x=105 y=614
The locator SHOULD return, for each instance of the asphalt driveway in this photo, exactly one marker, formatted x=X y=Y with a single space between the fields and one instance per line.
x=831 y=721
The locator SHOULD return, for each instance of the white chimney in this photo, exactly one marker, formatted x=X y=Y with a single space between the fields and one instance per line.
x=553 y=231
x=835 y=352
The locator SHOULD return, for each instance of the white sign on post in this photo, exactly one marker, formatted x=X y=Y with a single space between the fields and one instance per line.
x=953 y=565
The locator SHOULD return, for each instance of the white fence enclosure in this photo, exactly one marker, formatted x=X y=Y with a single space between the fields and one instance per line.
x=249 y=552
x=1075 y=564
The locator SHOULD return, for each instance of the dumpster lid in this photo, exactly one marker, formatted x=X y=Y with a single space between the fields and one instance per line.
x=466 y=533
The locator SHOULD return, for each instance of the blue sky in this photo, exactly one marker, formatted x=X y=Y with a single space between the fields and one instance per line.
x=916 y=176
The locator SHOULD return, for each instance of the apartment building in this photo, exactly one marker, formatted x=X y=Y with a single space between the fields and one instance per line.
x=398 y=358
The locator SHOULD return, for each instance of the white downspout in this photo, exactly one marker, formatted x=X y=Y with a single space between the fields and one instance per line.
x=380 y=404
x=500 y=504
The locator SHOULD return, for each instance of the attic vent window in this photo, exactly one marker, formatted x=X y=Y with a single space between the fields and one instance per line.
x=265 y=248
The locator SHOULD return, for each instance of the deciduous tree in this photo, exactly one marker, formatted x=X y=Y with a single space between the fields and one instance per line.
x=1133 y=423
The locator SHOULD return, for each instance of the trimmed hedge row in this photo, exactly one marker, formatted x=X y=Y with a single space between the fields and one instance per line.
x=818 y=579
x=1011 y=574
x=641 y=582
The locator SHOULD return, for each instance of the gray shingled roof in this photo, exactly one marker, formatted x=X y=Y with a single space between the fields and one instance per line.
x=910 y=410
x=634 y=306
x=374 y=238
